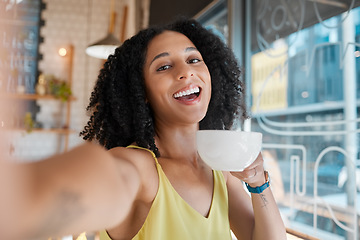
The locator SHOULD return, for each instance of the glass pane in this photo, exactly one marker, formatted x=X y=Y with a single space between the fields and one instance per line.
x=305 y=95
x=216 y=20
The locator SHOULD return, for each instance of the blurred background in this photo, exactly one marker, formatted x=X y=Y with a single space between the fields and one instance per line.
x=300 y=61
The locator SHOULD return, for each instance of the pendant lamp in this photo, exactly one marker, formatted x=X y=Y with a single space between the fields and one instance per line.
x=106 y=46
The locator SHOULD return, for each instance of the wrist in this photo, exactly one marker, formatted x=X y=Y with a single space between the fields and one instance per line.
x=260 y=186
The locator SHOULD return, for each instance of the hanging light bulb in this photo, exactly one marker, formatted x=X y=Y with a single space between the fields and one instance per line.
x=107 y=45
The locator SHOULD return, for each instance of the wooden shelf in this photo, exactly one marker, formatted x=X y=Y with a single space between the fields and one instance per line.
x=43 y=130
x=294 y=235
x=27 y=96
x=53 y=130
x=18 y=22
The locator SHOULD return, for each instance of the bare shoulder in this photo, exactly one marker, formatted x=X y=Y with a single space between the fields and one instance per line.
x=140 y=158
x=145 y=165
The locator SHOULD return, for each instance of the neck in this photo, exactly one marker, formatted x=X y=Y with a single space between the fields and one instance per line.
x=177 y=142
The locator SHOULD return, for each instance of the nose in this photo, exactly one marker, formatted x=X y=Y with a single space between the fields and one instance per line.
x=183 y=76
x=184 y=72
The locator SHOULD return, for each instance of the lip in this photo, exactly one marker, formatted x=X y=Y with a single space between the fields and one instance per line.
x=188 y=87
x=191 y=86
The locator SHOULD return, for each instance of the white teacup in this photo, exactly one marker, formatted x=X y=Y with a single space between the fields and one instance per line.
x=228 y=150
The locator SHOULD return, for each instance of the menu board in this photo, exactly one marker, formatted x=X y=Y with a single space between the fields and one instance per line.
x=20 y=21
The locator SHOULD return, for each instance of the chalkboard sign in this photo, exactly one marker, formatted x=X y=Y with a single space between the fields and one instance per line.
x=20 y=22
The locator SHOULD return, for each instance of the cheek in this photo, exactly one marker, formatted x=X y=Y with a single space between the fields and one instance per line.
x=207 y=78
x=206 y=74
x=154 y=92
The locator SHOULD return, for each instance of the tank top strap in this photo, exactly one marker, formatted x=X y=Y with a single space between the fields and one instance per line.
x=152 y=153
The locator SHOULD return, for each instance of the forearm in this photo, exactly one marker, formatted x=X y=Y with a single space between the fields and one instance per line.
x=74 y=192
x=267 y=220
x=257 y=218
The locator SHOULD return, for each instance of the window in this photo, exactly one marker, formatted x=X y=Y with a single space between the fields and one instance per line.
x=300 y=101
x=215 y=18
x=302 y=67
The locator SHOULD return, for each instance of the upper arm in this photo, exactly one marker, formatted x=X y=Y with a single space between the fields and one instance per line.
x=241 y=214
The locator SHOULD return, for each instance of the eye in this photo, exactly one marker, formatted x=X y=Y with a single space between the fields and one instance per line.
x=163 y=68
x=194 y=60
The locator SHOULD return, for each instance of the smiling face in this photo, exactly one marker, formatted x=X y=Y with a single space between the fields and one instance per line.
x=177 y=81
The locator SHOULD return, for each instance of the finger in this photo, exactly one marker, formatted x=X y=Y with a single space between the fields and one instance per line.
x=259 y=161
x=250 y=174
x=246 y=174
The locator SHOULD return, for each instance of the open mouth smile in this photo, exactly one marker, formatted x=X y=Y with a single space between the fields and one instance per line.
x=188 y=94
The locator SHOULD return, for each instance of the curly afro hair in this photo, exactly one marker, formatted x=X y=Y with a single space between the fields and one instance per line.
x=120 y=115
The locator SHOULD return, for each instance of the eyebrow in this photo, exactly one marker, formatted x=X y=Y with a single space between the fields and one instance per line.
x=164 y=54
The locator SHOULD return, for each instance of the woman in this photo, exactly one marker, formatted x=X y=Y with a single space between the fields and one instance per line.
x=157 y=101
x=151 y=97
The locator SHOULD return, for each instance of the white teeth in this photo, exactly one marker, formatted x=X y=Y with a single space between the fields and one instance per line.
x=187 y=92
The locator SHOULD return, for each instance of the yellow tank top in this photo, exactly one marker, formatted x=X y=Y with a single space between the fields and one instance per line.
x=171 y=217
